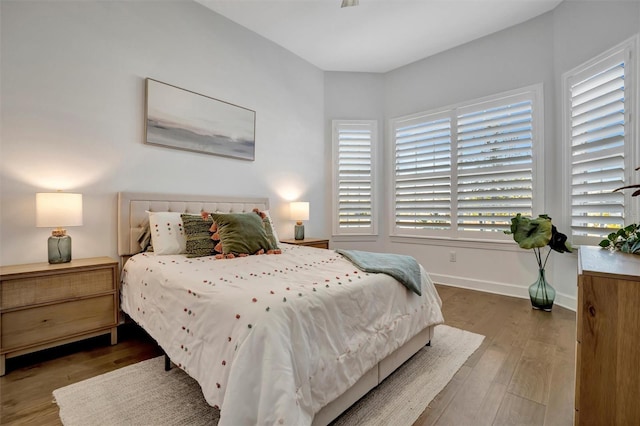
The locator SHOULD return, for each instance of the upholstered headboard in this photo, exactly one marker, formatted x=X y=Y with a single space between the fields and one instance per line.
x=133 y=207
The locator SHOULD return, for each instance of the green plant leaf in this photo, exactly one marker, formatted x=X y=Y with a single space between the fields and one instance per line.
x=636 y=192
x=604 y=243
x=626 y=187
x=530 y=233
x=558 y=241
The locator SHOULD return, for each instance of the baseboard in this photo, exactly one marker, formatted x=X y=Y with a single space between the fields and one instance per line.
x=504 y=289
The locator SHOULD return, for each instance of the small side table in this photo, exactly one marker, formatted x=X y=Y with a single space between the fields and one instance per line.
x=309 y=242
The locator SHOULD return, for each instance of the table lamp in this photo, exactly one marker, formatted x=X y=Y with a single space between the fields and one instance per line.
x=299 y=212
x=55 y=210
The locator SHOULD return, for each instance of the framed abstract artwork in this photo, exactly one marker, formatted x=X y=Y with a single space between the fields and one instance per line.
x=182 y=119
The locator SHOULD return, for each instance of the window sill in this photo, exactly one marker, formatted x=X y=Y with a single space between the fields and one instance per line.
x=472 y=243
x=354 y=238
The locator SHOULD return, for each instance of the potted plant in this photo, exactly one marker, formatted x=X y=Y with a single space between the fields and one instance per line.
x=626 y=239
x=536 y=234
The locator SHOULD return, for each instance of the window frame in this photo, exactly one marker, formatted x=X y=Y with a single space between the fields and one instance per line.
x=433 y=115
x=354 y=233
x=535 y=92
x=628 y=49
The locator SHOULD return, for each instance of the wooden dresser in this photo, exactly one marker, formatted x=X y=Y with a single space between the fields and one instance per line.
x=608 y=338
x=44 y=305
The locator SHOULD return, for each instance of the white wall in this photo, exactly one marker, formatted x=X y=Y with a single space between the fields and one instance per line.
x=537 y=51
x=72 y=98
x=583 y=30
x=355 y=96
x=516 y=57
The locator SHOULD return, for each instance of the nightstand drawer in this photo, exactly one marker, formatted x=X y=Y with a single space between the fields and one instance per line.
x=309 y=242
x=22 y=328
x=322 y=245
x=34 y=290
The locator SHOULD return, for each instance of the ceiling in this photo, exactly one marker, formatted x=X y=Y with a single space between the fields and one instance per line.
x=376 y=35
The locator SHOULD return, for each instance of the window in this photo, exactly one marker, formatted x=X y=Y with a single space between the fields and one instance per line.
x=598 y=135
x=423 y=172
x=467 y=169
x=354 y=147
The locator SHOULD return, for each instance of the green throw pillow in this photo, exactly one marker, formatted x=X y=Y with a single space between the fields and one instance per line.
x=199 y=242
x=242 y=233
x=266 y=224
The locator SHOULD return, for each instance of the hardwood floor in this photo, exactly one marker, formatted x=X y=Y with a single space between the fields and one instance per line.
x=523 y=374
x=26 y=390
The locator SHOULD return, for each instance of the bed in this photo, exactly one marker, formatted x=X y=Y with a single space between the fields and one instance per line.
x=292 y=338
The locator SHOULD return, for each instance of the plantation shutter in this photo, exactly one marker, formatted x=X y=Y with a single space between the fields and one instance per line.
x=598 y=128
x=423 y=173
x=354 y=143
x=495 y=163
x=469 y=167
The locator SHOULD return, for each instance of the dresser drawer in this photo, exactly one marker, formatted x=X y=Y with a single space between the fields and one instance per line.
x=27 y=291
x=23 y=328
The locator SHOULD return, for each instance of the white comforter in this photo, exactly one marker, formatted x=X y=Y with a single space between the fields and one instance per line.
x=272 y=339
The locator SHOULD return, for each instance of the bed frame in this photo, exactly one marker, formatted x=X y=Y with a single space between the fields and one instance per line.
x=132 y=216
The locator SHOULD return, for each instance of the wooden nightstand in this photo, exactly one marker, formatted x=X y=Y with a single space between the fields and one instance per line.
x=310 y=242
x=44 y=305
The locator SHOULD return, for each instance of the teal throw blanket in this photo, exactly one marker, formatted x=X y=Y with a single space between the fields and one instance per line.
x=401 y=267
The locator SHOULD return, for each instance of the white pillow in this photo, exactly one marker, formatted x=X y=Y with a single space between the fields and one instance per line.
x=273 y=227
x=167 y=233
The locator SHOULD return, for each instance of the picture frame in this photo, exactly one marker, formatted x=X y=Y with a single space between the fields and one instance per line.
x=181 y=119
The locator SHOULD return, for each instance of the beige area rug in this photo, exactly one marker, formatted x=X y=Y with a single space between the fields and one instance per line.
x=144 y=394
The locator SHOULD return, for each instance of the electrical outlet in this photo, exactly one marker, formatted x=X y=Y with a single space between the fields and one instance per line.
x=452 y=256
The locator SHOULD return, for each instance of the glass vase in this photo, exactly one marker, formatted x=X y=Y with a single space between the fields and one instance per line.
x=59 y=249
x=541 y=293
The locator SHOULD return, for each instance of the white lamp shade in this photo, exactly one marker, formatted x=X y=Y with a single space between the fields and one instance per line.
x=58 y=209
x=300 y=210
